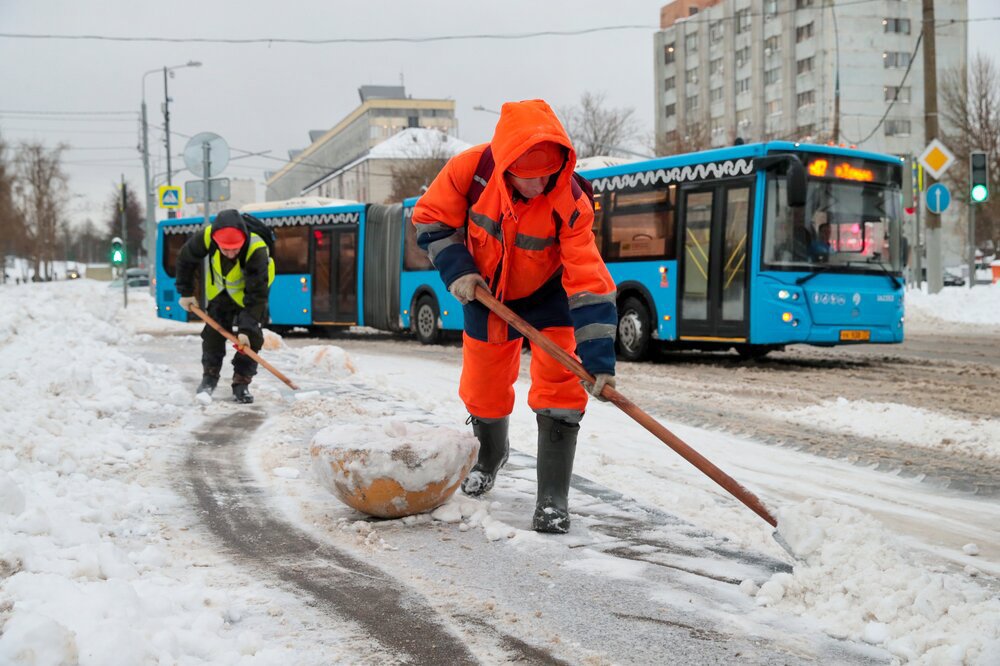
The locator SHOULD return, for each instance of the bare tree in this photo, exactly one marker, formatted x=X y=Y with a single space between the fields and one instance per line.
x=11 y=228
x=971 y=111
x=598 y=130
x=40 y=194
x=695 y=137
x=413 y=174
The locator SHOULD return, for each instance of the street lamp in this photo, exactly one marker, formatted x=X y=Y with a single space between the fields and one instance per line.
x=149 y=244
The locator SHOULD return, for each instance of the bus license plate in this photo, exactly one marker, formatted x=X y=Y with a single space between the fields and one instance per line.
x=857 y=336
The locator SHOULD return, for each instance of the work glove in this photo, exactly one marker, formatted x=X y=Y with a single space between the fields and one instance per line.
x=600 y=381
x=464 y=287
x=186 y=302
x=244 y=341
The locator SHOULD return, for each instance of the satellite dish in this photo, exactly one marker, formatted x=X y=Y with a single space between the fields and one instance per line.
x=218 y=156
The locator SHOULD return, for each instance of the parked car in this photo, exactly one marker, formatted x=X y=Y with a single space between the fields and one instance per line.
x=72 y=274
x=953 y=280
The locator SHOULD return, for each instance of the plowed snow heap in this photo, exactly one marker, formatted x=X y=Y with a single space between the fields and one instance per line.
x=392 y=469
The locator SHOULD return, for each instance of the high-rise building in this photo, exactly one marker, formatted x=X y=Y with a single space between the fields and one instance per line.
x=384 y=111
x=811 y=70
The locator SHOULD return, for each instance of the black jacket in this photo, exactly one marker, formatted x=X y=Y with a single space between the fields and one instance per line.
x=193 y=253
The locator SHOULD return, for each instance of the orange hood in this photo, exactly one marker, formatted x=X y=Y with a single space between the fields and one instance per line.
x=521 y=126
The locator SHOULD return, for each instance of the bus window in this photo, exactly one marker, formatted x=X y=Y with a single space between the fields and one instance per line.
x=641 y=225
x=291 y=250
x=172 y=244
x=414 y=258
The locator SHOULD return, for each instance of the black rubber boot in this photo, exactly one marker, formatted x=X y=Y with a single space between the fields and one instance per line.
x=209 y=380
x=556 y=450
x=241 y=389
x=494 y=448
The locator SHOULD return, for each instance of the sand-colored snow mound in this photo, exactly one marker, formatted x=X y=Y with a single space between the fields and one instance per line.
x=272 y=341
x=392 y=469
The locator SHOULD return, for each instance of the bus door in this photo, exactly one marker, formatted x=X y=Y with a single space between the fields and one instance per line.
x=334 y=253
x=713 y=253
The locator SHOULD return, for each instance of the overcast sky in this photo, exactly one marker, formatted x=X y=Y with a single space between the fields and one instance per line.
x=263 y=97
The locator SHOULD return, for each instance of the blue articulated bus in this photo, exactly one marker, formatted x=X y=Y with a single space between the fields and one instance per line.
x=753 y=247
x=750 y=248
x=337 y=264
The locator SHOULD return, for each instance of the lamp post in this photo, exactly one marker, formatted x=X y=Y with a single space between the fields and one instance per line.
x=149 y=244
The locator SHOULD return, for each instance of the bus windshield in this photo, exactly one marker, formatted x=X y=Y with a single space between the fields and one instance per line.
x=846 y=225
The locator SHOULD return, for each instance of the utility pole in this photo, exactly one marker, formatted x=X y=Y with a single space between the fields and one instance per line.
x=123 y=208
x=150 y=241
x=935 y=281
x=166 y=126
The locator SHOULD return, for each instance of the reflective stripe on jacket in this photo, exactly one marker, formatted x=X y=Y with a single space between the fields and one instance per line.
x=233 y=282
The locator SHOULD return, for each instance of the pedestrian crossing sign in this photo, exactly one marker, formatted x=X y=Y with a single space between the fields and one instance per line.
x=170 y=196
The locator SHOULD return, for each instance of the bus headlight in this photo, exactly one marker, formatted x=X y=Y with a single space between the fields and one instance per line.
x=783 y=294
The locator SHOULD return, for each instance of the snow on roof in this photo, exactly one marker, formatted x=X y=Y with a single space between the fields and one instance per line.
x=601 y=161
x=418 y=143
x=297 y=202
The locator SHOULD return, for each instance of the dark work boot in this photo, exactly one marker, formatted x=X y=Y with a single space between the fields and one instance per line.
x=556 y=450
x=209 y=380
x=493 y=450
x=241 y=389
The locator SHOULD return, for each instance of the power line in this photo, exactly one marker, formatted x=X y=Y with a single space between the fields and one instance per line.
x=70 y=113
x=337 y=40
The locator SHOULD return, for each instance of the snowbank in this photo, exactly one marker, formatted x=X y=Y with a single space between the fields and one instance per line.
x=979 y=306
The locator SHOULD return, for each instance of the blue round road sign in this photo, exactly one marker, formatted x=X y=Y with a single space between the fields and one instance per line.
x=938 y=198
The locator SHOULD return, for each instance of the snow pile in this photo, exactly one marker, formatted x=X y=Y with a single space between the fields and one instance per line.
x=392 y=468
x=961 y=305
x=86 y=570
x=858 y=581
x=891 y=422
x=331 y=362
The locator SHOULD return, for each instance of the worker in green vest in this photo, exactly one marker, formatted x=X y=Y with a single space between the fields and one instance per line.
x=240 y=272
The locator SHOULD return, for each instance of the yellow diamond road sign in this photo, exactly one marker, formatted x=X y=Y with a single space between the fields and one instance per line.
x=936 y=159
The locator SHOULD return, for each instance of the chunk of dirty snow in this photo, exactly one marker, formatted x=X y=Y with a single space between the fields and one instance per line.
x=970 y=549
x=286 y=472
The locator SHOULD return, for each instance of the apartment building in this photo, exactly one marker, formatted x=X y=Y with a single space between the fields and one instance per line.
x=383 y=112
x=770 y=69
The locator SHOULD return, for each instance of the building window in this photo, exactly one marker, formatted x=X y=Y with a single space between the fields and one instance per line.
x=897 y=94
x=742 y=21
x=772 y=76
x=743 y=85
x=691 y=75
x=897 y=128
x=743 y=56
x=803 y=32
x=715 y=66
x=803 y=4
x=806 y=130
x=770 y=7
x=691 y=102
x=743 y=118
x=668 y=54
x=806 y=98
x=715 y=31
x=691 y=44
x=669 y=83
x=892 y=59
x=804 y=65
x=896 y=25
x=772 y=45
x=670 y=110
x=715 y=94
x=774 y=107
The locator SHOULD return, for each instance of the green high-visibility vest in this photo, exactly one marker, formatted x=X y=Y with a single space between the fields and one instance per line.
x=233 y=282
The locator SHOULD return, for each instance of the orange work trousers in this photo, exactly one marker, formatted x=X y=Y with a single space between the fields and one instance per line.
x=489 y=370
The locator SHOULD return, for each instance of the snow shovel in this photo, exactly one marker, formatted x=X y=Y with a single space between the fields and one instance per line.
x=241 y=349
x=642 y=418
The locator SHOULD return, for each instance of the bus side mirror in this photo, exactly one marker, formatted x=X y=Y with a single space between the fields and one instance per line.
x=791 y=167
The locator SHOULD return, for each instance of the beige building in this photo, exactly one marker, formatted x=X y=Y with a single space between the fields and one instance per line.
x=384 y=111
x=369 y=178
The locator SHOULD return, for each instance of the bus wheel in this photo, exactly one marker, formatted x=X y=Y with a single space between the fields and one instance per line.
x=425 y=321
x=634 y=330
x=752 y=352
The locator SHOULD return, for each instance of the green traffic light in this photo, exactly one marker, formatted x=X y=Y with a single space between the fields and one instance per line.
x=979 y=193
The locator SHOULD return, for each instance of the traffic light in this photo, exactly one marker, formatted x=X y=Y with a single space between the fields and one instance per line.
x=979 y=177
x=117 y=252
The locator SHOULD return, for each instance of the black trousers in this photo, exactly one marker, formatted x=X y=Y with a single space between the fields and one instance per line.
x=213 y=345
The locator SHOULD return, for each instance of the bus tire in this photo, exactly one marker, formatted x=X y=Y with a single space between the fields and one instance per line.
x=635 y=329
x=425 y=321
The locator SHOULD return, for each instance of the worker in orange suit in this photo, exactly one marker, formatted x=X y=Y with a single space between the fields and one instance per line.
x=511 y=217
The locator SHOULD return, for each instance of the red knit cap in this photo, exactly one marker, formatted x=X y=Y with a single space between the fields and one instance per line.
x=540 y=160
x=228 y=238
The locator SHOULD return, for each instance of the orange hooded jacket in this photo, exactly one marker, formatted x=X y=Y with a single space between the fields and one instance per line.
x=520 y=246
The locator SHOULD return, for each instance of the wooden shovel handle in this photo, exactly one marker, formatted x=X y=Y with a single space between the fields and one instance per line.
x=642 y=418
x=243 y=350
